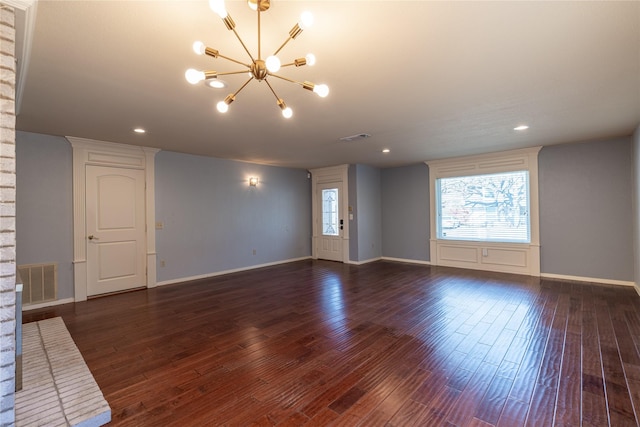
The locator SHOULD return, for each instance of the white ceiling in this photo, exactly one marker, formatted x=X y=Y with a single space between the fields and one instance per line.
x=426 y=79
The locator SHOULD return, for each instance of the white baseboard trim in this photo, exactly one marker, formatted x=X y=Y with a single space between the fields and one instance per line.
x=386 y=258
x=409 y=261
x=221 y=273
x=587 y=279
x=366 y=261
x=47 y=304
x=544 y=275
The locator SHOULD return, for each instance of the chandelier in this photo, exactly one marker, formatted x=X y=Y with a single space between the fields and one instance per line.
x=258 y=69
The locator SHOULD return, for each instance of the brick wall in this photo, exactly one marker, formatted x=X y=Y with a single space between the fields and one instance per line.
x=7 y=216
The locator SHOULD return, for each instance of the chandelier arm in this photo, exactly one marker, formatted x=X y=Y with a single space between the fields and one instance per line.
x=283 y=45
x=297 y=62
x=286 y=111
x=272 y=91
x=259 y=38
x=293 y=33
x=242 y=87
x=287 y=79
x=234 y=60
x=227 y=73
x=243 y=45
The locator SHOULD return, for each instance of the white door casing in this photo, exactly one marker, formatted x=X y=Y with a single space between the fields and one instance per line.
x=336 y=175
x=331 y=222
x=88 y=152
x=115 y=221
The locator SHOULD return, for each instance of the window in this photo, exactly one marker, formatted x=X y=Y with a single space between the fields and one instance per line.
x=490 y=208
x=330 y=226
x=484 y=212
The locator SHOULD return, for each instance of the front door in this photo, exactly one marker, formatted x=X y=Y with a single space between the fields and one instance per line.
x=330 y=222
x=115 y=221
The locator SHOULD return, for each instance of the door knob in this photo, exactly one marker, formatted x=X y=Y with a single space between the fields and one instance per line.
x=92 y=237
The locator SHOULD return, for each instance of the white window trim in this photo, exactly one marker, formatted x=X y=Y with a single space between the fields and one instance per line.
x=520 y=258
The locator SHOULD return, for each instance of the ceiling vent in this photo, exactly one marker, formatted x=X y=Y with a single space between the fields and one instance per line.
x=355 y=137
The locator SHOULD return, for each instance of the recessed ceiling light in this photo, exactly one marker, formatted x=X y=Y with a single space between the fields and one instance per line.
x=386 y=150
x=216 y=83
x=521 y=127
x=139 y=130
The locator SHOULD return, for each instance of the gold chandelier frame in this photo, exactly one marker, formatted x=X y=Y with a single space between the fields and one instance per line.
x=258 y=69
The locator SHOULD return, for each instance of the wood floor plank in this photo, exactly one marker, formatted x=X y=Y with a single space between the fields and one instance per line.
x=543 y=403
x=491 y=406
x=524 y=384
x=319 y=343
x=619 y=403
x=514 y=414
x=393 y=402
x=377 y=384
x=472 y=395
x=594 y=402
x=632 y=373
x=410 y=414
x=439 y=408
x=568 y=407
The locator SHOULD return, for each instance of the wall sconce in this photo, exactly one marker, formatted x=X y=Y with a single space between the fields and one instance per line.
x=253 y=181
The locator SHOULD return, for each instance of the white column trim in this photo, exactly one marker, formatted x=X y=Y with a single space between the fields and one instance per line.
x=79 y=224
x=150 y=191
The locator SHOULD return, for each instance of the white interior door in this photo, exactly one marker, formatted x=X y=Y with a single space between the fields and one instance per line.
x=331 y=224
x=115 y=221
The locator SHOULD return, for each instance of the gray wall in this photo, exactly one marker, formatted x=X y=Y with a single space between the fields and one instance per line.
x=44 y=205
x=213 y=220
x=405 y=212
x=636 y=205
x=368 y=211
x=586 y=209
x=586 y=214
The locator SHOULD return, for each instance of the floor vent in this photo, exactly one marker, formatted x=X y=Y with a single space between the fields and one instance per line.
x=40 y=283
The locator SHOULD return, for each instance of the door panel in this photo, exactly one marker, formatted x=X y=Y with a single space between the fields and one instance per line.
x=115 y=217
x=116 y=260
x=331 y=224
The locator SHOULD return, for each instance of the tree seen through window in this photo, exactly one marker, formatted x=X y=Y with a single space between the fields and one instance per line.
x=491 y=207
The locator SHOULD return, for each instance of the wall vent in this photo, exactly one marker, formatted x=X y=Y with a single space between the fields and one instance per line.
x=40 y=283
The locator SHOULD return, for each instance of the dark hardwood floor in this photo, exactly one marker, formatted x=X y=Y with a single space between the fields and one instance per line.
x=318 y=343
